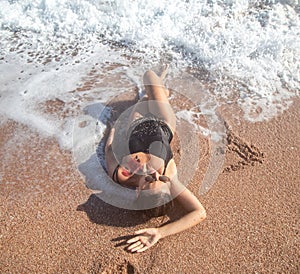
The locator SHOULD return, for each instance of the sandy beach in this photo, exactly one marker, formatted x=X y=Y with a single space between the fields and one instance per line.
x=68 y=69
x=52 y=223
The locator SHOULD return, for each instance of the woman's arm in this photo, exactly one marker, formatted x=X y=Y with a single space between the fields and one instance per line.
x=109 y=157
x=195 y=214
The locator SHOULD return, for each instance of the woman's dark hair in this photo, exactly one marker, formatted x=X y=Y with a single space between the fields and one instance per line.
x=160 y=202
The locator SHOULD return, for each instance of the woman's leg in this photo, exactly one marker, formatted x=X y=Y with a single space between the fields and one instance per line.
x=158 y=102
x=139 y=110
x=157 y=98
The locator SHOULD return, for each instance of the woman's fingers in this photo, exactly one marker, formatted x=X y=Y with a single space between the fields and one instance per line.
x=133 y=240
x=134 y=246
x=143 y=249
x=138 y=247
x=143 y=242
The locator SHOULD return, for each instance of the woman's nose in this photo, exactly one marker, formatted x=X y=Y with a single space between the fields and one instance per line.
x=144 y=168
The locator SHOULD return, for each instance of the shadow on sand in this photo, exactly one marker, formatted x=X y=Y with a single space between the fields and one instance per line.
x=100 y=212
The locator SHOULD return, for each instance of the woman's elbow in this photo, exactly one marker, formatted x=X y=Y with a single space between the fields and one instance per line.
x=201 y=214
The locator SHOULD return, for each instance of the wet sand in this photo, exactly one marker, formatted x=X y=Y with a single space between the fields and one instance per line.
x=52 y=223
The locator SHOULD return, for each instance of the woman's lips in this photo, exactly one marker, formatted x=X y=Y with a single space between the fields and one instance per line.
x=126 y=173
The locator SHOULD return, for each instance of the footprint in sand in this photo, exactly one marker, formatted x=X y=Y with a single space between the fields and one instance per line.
x=123 y=268
x=242 y=153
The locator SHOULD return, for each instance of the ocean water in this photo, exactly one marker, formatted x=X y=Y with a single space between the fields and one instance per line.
x=70 y=53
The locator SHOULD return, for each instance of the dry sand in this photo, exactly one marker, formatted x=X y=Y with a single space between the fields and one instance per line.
x=51 y=223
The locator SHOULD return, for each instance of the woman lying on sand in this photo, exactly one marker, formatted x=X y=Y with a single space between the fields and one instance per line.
x=149 y=165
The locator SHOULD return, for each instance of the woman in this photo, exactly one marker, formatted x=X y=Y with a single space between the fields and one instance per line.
x=148 y=166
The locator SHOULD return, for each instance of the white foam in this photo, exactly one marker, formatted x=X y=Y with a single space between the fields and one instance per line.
x=192 y=116
x=21 y=99
x=256 y=47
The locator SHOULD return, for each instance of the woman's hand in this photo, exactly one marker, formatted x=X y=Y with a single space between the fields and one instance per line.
x=147 y=237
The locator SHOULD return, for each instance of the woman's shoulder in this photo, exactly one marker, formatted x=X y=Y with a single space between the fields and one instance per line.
x=171 y=169
x=110 y=160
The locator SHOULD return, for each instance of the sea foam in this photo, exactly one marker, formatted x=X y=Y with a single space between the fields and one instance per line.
x=249 y=50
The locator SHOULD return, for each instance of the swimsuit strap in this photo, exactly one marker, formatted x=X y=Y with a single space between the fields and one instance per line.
x=165 y=169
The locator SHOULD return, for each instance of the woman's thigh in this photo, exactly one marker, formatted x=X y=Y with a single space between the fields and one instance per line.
x=158 y=102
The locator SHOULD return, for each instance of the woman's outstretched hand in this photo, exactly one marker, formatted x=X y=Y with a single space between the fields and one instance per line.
x=146 y=238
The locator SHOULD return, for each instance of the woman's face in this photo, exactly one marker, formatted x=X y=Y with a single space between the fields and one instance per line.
x=142 y=163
